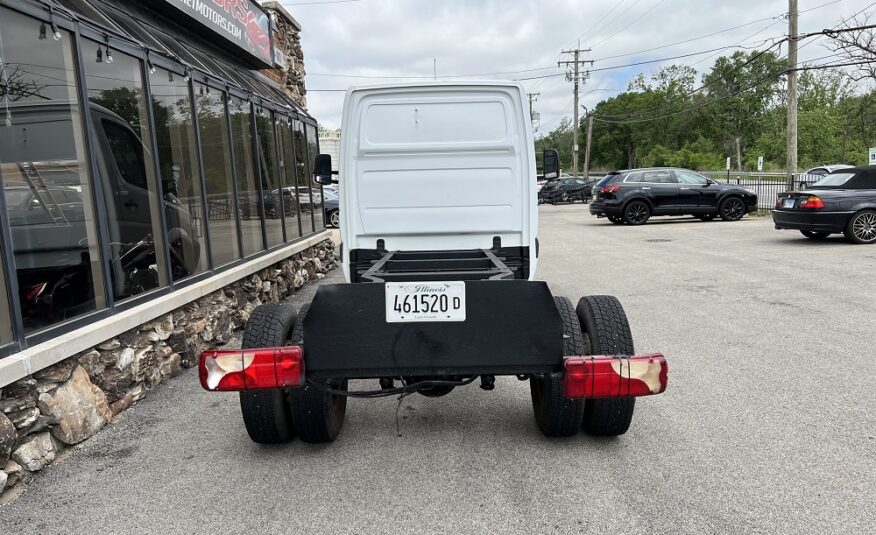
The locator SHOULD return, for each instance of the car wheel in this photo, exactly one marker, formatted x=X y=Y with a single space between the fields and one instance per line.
x=732 y=209
x=335 y=218
x=815 y=235
x=707 y=217
x=564 y=197
x=318 y=413
x=637 y=213
x=556 y=415
x=616 y=220
x=266 y=413
x=862 y=227
x=606 y=332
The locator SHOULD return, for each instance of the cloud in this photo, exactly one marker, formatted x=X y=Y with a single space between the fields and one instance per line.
x=400 y=38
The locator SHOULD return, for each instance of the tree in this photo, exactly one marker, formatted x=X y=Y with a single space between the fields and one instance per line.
x=856 y=46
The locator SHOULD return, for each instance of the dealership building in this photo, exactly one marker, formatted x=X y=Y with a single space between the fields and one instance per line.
x=156 y=159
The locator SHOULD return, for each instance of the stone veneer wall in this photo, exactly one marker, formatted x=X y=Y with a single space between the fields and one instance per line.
x=287 y=38
x=72 y=400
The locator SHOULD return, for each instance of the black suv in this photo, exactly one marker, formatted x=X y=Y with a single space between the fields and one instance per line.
x=634 y=195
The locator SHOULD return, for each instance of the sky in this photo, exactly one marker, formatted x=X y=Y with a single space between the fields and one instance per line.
x=357 y=42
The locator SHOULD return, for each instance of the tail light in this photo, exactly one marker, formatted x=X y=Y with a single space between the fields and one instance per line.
x=778 y=202
x=252 y=369
x=610 y=189
x=812 y=202
x=614 y=376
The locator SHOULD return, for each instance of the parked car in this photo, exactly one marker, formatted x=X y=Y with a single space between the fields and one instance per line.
x=842 y=202
x=565 y=189
x=332 y=211
x=633 y=196
x=805 y=180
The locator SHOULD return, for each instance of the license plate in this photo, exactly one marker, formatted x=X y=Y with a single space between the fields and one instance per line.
x=425 y=301
x=788 y=203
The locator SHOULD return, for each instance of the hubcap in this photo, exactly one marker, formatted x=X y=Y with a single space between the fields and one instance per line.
x=733 y=209
x=336 y=219
x=864 y=227
x=637 y=213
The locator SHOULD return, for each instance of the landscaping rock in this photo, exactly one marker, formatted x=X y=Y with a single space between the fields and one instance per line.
x=8 y=437
x=23 y=418
x=36 y=453
x=79 y=406
x=13 y=472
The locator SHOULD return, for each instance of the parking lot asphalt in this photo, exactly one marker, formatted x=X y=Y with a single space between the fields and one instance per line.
x=767 y=426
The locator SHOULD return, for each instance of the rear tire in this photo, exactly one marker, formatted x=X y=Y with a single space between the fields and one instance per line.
x=862 y=227
x=606 y=332
x=811 y=234
x=266 y=413
x=637 y=213
x=318 y=415
x=556 y=415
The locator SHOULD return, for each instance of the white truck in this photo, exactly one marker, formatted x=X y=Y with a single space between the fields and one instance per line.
x=439 y=229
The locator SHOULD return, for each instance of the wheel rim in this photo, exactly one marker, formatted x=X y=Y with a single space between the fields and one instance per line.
x=336 y=219
x=637 y=213
x=733 y=209
x=864 y=227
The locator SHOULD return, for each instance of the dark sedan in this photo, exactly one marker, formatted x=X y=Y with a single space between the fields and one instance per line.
x=842 y=202
x=631 y=197
x=565 y=189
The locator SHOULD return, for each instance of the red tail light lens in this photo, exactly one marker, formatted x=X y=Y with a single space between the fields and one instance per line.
x=778 y=202
x=34 y=292
x=614 y=377
x=812 y=202
x=252 y=369
x=610 y=189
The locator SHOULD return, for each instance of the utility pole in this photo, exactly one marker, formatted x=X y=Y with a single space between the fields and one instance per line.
x=533 y=97
x=575 y=76
x=587 y=146
x=791 y=162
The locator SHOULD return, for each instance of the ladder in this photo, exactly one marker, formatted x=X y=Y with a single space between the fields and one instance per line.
x=42 y=193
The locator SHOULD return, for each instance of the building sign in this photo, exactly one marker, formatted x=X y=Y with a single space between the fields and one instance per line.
x=242 y=22
x=872 y=155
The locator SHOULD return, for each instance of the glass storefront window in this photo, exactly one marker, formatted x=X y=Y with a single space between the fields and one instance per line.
x=46 y=183
x=271 y=187
x=312 y=151
x=218 y=175
x=125 y=162
x=304 y=192
x=247 y=185
x=287 y=162
x=180 y=175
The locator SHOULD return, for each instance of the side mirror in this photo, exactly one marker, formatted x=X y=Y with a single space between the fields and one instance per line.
x=551 y=164
x=322 y=169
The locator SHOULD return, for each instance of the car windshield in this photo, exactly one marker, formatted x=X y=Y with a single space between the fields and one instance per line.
x=834 y=179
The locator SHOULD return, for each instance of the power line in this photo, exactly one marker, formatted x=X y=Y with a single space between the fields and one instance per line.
x=632 y=23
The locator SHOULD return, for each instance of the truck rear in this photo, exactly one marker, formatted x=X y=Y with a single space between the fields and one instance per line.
x=438 y=223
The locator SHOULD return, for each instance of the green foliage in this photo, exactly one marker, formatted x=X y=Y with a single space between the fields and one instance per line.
x=666 y=120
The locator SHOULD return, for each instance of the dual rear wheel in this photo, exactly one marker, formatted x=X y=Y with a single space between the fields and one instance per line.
x=277 y=416
x=597 y=326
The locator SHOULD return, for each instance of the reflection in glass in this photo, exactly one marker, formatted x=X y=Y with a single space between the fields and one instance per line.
x=180 y=176
x=290 y=200
x=119 y=113
x=45 y=180
x=247 y=186
x=303 y=192
x=312 y=151
x=270 y=190
x=5 y=321
x=218 y=175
